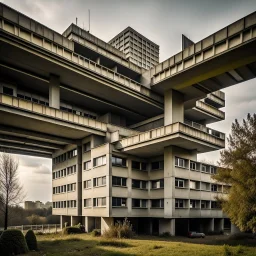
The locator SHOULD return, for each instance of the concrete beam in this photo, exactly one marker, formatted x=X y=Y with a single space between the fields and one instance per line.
x=28 y=133
x=23 y=152
x=25 y=140
x=25 y=147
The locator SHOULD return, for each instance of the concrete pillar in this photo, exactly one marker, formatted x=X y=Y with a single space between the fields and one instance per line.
x=61 y=221
x=114 y=69
x=98 y=60
x=167 y=225
x=234 y=229
x=219 y=225
x=150 y=226
x=173 y=107
x=89 y=224
x=106 y=222
x=54 y=92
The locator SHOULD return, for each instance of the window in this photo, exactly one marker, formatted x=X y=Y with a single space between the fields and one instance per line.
x=87 y=146
x=71 y=203
x=99 y=201
x=87 y=184
x=71 y=170
x=194 y=204
x=180 y=162
x=193 y=166
x=119 y=181
x=214 y=188
x=141 y=184
x=71 y=187
x=87 y=202
x=87 y=165
x=7 y=90
x=72 y=153
x=139 y=203
x=157 y=203
x=203 y=168
x=98 y=161
x=118 y=202
x=192 y=184
x=179 y=183
x=215 y=205
x=101 y=181
x=179 y=203
x=155 y=184
x=139 y=166
x=118 y=161
x=157 y=165
x=213 y=170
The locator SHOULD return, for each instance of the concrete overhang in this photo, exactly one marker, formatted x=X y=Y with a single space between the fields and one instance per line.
x=150 y=143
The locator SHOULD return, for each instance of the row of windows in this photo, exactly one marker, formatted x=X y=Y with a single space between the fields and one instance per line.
x=63 y=157
x=64 y=172
x=200 y=185
x=196 y=204
x=77 y=112
x=194 y=166
x=64 y=188
x=64 y=204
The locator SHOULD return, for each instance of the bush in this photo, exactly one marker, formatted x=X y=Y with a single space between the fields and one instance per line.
x=71 y=230
x=165 y=234
x=31 y=240
x=96 y=232
x=120 y=230
x=12 y=241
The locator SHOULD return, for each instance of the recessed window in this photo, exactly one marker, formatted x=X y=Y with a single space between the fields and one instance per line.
x=87 y=165
x=179 y=183
x=87 y=202
x=99 y=201
x=101 y=181
x=139 y=203
x=118 y=161
x=87 y=184
x=180 y=162
x=139 y=165
x=72 y=153
x=98 y=161
x=7 y=90
x=179 y=203
x=141 y=184
x=119 y=181
x=87 y=146
x=157 y=203
x=157 y=165
x=118 y=202
x=155 y=184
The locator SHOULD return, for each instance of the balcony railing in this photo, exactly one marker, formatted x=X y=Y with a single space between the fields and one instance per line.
x=51 y=112
x=210 y=109
x=205 y=135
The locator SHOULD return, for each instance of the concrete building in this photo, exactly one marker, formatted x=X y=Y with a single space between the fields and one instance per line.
x=137 y=48
x=123 y=140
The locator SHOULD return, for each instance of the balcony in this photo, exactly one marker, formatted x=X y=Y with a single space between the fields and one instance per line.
x=40 y=112
x=178 y=134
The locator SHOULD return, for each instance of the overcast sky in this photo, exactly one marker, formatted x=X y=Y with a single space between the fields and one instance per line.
x=163 y=22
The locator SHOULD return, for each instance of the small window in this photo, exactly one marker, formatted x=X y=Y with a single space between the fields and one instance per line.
x=87 y=146
x=157 y=203
x=119 y=181
x=87 y=202
x=118 y=202
x=87 y=184
x=98 y=161
x=180 y=162
x=101 y=181
x=155 y=184
x=157 y=165
x=87 y=165
x=8 y=91
x=179 y=203
x=179 y=183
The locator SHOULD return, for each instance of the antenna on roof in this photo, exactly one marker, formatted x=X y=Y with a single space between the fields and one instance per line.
x=76 y=21
x=89 y=20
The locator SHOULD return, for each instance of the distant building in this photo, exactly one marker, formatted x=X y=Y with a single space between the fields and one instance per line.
x=137 y=48
x=30 y=205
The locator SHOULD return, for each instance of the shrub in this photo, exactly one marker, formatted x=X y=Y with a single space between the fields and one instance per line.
x=96 y=232
x=165 y=234
x=226 y=250
x=12 y=241
x=120 y=230
x=31 y=240
x=71 y=230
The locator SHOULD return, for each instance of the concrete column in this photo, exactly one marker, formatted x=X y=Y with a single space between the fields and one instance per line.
x=114 y=69
x=54 y=92
x=219 y=225
x=173 y=107
x=106 y=222
x=234 y=229
x=98 y=60
x=89 y=224
x=167 y=225
x=79 y=180
x=61 y=222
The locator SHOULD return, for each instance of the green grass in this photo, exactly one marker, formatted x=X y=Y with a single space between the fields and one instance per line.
x=86 y=245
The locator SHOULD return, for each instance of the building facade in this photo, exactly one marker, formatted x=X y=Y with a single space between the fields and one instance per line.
x=137 y=48
x=123 y=140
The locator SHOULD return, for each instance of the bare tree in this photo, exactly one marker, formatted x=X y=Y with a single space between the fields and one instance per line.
x=11 y=192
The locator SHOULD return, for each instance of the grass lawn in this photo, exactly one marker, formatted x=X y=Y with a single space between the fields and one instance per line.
x=85 y=244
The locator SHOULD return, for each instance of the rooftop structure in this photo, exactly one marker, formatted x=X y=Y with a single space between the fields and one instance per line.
x=123 y=140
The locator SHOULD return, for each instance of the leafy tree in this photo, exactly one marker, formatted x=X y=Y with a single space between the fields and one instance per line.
x=238 y=168
x=11 y=192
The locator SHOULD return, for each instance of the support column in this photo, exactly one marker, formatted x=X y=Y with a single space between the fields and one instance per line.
x=106 y=222
x=54 y=92
x=173 y=107
x=89 y=224
x=98 y=60
x=114 y=69
x=167 y=225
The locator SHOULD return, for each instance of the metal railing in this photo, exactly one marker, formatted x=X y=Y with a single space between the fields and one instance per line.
x=44 y=228
x=51 y=112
